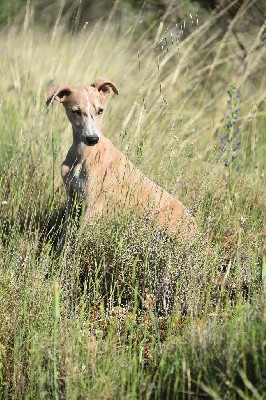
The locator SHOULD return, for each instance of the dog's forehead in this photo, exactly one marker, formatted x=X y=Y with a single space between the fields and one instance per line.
x=77 y=96
x=84 y=96
x=95 y=97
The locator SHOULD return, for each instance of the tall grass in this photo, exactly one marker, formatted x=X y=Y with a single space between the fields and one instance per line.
x=125 y=311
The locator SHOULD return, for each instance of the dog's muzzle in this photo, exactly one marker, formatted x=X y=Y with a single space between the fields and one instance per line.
x=91 y=140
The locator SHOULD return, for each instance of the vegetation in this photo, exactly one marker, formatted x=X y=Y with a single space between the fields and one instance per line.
x=125 y=312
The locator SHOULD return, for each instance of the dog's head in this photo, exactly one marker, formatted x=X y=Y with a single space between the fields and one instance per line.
x=84 y=106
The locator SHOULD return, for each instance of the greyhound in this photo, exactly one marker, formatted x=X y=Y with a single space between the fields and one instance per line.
x=98 y=172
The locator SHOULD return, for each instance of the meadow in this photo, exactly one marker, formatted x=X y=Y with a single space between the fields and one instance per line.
x=125 y=312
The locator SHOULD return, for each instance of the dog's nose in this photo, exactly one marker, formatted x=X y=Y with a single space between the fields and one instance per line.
x=92 y=140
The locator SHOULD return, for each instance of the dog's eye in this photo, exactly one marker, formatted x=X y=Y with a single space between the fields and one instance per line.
x=100 y=111
x=76 y=111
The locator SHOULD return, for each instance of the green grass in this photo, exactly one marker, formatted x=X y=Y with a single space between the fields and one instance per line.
x=125 y=311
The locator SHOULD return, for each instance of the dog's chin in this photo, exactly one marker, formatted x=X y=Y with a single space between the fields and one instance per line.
x=90 y=144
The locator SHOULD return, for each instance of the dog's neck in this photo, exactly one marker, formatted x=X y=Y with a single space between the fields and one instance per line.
x=81 y=151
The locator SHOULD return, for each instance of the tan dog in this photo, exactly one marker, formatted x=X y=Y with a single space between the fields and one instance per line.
x=95 y=169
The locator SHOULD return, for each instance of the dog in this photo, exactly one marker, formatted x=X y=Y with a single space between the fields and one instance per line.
x=95 y=170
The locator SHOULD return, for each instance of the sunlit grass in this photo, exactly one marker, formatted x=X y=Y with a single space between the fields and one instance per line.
x=124 y=311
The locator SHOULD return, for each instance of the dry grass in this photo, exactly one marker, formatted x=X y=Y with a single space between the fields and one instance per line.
x=124 y=311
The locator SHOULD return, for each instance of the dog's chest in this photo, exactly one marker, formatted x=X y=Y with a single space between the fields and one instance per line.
x=83 y=174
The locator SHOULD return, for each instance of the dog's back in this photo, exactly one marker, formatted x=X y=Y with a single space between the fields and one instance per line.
x=115 y=184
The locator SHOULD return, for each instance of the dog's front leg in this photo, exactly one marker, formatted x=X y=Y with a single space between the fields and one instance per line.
x=73 y=180
x=75 y=184
x=63 y=235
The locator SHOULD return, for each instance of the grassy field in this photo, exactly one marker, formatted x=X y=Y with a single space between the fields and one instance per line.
x=125 y=312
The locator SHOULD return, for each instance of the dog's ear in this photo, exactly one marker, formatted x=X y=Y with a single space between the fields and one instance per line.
x=104 y=86
x=58 y=93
